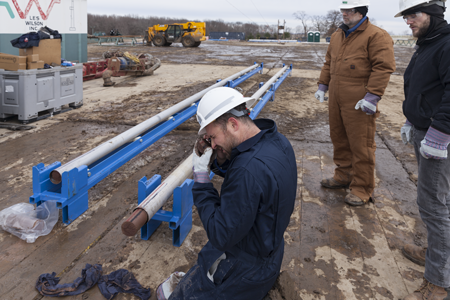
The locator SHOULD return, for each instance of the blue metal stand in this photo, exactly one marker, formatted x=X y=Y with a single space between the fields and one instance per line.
x=270 y=94
x=179 y=219
x=72 y=193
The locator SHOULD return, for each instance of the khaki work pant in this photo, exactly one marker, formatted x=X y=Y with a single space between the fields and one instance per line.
x=352 y=133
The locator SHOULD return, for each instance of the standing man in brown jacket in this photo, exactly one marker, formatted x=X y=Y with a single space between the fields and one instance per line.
x=358 y=65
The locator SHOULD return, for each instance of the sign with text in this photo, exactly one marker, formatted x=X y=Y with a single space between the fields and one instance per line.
x=22 y=16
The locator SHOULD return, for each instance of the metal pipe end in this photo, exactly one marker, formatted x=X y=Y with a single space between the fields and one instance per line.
x=55 y=177
x=129 y=229
x=135 y=222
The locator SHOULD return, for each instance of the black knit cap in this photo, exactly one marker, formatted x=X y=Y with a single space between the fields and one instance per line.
x=362 y=10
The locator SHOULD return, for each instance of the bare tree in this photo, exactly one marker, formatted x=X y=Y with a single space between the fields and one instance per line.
x=304 y=18
x=333 y=20
x=319 y=23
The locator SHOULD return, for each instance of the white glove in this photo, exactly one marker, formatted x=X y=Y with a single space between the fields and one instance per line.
x=431 y=152
x=406 y=133
x=201 y=163
x=320 y=95
x=366 y=107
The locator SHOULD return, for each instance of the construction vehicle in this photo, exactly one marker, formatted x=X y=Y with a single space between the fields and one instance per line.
x=190 y=34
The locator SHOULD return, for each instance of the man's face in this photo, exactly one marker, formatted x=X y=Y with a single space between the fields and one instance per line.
x=418 y=23
x=351 y=17
x=221 y=140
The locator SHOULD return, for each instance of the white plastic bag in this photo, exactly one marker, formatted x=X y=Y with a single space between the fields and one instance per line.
x=28 y=223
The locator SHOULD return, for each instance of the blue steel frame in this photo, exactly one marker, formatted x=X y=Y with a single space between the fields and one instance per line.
x=180 y=218
x=71 y=194
x=270 y=94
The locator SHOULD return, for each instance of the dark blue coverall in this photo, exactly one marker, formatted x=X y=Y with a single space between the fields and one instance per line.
x=246 y=222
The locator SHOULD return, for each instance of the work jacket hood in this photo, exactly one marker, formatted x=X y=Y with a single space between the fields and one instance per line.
x=437 y=35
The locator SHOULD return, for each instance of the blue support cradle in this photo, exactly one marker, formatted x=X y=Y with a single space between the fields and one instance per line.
x=179 y=219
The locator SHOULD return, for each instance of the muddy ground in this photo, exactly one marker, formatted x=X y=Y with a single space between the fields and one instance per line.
x=333 y=251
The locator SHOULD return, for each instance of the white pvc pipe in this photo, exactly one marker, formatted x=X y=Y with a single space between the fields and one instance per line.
x=162 y=193
x=127 y=136
x=267 y=85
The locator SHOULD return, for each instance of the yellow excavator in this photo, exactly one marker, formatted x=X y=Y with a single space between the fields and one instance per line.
x=190 y=34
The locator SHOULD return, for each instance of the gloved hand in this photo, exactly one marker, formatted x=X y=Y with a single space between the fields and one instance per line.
x=320 y=94
x=434 y=145
x=201 y=162
x=406 y=133
x=368 y=104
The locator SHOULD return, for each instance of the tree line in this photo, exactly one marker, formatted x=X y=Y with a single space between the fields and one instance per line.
x=325 y=24
x=137 y=25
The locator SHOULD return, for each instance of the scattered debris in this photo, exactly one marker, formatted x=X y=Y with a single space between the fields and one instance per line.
x=16 y=127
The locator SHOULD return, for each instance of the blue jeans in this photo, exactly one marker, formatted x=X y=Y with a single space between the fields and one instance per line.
x=433 y=199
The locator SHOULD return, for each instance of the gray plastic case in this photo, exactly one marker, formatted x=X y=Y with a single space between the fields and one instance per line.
x=25 y=93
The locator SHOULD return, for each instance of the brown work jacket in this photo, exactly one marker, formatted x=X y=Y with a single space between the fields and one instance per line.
x=365 y=57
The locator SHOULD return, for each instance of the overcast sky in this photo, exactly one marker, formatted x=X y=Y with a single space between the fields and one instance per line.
x=258 y=11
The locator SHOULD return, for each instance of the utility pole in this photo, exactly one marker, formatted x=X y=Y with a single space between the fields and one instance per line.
x=278 y=30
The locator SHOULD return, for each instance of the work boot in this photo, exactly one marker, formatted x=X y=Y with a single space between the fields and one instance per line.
x=354 y=200
x=415 y=254
x=330 y=183
x=428 y=291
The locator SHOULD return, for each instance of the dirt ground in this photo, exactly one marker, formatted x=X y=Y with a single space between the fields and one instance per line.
x=333 y=251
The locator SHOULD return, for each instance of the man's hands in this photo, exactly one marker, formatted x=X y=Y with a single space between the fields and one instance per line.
x=202 y=159
x=368 y=104
x=202 y=163
x=406 y=133
x=434 y=145
x=204 y=142
x=203 y=155
x=320 y=94
x=200 y=145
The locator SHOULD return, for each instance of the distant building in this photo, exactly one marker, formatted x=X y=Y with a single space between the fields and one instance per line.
x=227 y=35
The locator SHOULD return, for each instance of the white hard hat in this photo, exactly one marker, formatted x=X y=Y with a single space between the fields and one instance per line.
x=217 y=102
x=345 y=4
x=407 y=4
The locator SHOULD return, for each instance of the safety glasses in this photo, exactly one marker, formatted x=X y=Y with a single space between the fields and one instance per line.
x=350 y=11
x=412 y=17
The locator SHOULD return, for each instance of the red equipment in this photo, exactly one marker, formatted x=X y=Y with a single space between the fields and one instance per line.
x=93 y=70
